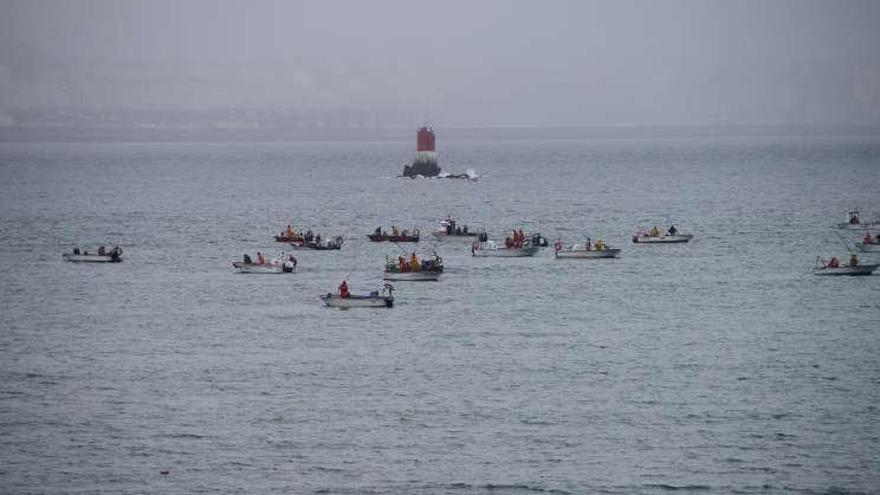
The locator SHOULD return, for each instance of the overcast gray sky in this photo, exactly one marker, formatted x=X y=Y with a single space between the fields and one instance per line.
x=452 y=62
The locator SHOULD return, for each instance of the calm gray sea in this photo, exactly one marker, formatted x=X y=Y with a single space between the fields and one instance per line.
x=722 y=366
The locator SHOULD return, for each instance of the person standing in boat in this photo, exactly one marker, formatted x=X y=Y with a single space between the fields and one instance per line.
x=673 y=230
x=102 y=251
x=655 y=232
x=588 y=245
x=853 y=260
x=414 y=263
x=343 y=290
x=260 y=258
x=247 y=259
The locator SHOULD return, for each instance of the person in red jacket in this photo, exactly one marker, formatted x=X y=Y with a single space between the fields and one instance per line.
x=343 y=290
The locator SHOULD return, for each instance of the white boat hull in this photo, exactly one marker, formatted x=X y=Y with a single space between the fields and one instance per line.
x=92 y=258
x=846 y=270
x=268 y=268
x=334 y=301
x=507 y=252
x=874 y=247
x=441 y=235
x=663 y=239
x=858 y=226
x=584 y=254
x=426 y=276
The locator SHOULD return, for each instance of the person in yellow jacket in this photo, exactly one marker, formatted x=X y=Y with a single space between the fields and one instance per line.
x=414 y=263
x=600 y=245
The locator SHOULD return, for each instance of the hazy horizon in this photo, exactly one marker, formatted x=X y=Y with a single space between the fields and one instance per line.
x=401 y=63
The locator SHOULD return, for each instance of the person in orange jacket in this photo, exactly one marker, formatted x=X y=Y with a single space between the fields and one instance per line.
x=343 y=290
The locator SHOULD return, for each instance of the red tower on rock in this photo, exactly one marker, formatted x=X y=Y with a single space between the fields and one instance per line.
x=425 y=163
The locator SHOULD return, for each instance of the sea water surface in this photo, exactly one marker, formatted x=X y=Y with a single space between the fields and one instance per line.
x=720 y=366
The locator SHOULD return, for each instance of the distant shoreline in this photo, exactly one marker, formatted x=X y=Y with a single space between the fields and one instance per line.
x=62 y=134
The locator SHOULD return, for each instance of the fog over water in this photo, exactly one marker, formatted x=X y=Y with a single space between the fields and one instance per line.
x=399 y=63
x=191 y=132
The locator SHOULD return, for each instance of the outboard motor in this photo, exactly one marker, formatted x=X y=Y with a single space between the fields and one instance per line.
x=539 y=240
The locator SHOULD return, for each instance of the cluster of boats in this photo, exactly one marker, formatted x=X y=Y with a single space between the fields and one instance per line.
x=519 y=244
x=855 y=267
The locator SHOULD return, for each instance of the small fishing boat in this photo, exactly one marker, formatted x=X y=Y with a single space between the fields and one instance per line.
x=832 y=267
x=376 y=299
x=855 y=222
x=654 y=236
x=586 y=251
x=318 y=244
x=846 y=270
x=112 y=256
x=450 y=231
x=662 y=239
x=289 y=238
x=869 y=243
x=290 y=234
x=489 y=248
x=428 y=270
x=394 y=236
x=276 y=266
